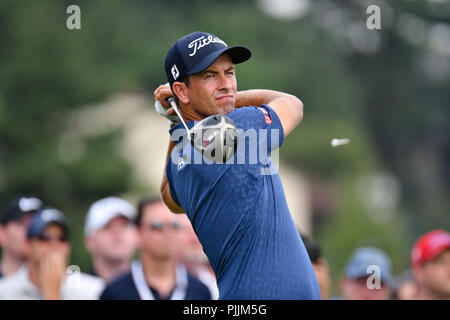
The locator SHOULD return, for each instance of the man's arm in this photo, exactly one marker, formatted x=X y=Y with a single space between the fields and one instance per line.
x=165 y=188
x=287 y=107
x=162 y=93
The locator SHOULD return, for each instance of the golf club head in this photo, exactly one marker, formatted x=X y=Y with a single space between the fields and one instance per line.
x=216 y=137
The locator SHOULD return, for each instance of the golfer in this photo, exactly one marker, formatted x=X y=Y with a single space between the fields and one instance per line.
x=238 y=209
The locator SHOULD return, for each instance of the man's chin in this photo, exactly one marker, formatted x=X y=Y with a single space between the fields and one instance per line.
x=226 y=109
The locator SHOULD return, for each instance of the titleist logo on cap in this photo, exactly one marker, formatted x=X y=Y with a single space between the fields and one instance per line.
x=201 y=42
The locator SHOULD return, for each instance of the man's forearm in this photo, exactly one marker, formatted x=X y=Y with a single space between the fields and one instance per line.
x=165 y=188
x=165 y=181
x=169 y=151
x=257 y=97
x=51 y=294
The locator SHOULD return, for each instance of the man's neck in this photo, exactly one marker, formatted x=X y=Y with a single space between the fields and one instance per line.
x=110 y=269
x=10 y=264
x=159 y=273
x=189 y=114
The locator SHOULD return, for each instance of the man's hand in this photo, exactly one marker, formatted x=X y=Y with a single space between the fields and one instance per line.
x=162 y=93
x=52 y=272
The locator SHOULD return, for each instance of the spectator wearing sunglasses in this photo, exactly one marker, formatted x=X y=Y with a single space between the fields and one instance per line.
x=156 y=275
x=46 y=275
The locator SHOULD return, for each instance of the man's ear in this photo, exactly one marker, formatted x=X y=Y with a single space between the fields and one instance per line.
x=180 y=90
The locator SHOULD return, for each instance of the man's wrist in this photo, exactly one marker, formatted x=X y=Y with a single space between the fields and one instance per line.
x=51 y=294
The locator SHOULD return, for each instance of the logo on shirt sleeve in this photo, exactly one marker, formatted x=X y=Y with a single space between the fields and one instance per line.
x=266 y=115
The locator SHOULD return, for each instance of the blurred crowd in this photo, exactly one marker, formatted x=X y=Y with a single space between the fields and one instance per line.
x=147 y=252
x=368 y=272
x=137 y=253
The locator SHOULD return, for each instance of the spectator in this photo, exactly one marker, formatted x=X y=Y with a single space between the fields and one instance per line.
x=156 y=275
x=431 y=265
x=320 y=265
x=367 y=275
x=13 y=225
x=190 y=252
x=110 y=237
x=404 y=287
x=44 y=274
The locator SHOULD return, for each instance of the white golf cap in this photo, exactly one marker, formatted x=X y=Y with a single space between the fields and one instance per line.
x=104 y=210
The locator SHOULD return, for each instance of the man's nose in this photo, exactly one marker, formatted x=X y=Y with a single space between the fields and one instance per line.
x=224 y=82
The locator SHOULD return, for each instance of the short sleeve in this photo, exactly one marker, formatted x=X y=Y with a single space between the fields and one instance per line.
x=272 y=122
x=263 y=120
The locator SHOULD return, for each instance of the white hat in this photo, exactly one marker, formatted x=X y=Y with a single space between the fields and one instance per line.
x=104 y=210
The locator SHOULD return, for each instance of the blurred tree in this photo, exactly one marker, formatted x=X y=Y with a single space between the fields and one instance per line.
x=46 y=71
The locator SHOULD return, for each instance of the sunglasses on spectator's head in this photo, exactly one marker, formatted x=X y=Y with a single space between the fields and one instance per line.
x=160 y=225
x=43 y=237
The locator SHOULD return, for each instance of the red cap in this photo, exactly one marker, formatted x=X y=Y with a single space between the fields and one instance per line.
x=429 y=246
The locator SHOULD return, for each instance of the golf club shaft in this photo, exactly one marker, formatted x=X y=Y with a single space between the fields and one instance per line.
x=173 y=104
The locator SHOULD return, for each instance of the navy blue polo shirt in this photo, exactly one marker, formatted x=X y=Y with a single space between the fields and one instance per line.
x=123 y=288
x=240 y=214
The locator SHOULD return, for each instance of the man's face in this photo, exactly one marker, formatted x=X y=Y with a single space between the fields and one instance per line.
x=13 y=237
x=435 y=274
x=158 y=231
x=213 y=91
x=53 y=240
x=358 y=289
x=116 y=241
x=189 y=247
